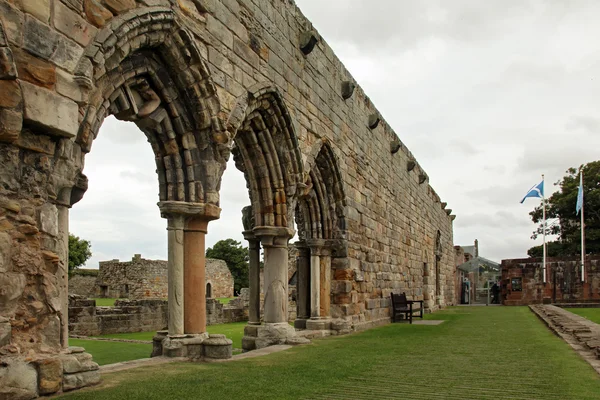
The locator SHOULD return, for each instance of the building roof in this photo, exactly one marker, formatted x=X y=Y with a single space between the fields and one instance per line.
x=477 y=262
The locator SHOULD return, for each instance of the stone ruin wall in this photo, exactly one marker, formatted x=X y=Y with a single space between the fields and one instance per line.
x=392 y=214
x=147 y=279
x=82 y=285
x=126 y=316
x=220 y=278
x=87 y=319
x=566 y=270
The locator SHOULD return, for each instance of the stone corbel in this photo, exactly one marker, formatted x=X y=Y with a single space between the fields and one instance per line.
x=308 y=40
x=347 y=89
x=373 y=121
x=273 y=236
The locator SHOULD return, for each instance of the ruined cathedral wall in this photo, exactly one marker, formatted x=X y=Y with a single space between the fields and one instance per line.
x=392 y=214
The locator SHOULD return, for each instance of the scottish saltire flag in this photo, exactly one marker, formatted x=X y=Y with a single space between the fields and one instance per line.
x=579 y=196
x=536 y=191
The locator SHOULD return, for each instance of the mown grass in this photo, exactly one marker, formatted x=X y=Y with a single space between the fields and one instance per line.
x=478 y=353
x=105 y=302
x=105 y=352
x=593 y=314
x=225 y=300
x=234 y=331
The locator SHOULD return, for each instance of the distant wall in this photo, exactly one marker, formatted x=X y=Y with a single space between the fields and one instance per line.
x=522 y=281
x=82 y=285
x=219 y=277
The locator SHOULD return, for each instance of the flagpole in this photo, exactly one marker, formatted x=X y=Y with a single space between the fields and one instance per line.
x=544 y=230
x=582 y=229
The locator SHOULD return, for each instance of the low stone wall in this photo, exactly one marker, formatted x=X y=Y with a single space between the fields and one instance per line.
x=522 y=281
x=86 y=319
x=126 y=316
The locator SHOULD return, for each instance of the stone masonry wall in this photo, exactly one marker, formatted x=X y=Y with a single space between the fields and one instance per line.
x=86 y=319
x=82 y=285
x=126 y=316
x=219 y=277
x=65 y=65
x=147 y=279
x=563 y=281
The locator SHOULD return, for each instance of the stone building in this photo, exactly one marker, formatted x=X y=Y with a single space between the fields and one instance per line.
x=206 y=80
x=523 y=282
x=146 y=279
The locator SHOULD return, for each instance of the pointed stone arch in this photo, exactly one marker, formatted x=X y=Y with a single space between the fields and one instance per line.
x=143 y=66
x=266 y=150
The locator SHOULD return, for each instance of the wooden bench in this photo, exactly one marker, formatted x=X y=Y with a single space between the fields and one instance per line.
x=401 y=305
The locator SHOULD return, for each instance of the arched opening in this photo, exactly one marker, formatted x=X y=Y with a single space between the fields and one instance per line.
x=208 y=290
x=266 y=150
x=321 y=230
x=159 y=82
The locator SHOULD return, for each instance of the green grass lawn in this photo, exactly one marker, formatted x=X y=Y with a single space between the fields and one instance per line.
x=113 y=352
x=478 y=353
x=593 y=314
x=225 y=300
x=105 y=302
x=233 y=331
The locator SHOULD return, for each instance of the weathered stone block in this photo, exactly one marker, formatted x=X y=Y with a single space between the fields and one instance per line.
x=12 y=285
x=217 y=347
x=5 y=331
x=50 y=375
x=72 y=25
x=10 y=93
x=49 y=111
x=38 y=8
x=96 y=13
x=11 y=123
x=7 y=64
x=119 y=6
x=82 y=379
x=18 y=381
x=49 y=219
x=35 y=70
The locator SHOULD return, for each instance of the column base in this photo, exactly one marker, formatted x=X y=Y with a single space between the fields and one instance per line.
x=261 y=336
x=318 y=324
x=196 y=347
x=300 y=323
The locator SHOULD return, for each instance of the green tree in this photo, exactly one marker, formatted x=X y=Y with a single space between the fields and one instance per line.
x=236 y=257
x=80 y=251
x=561 y=205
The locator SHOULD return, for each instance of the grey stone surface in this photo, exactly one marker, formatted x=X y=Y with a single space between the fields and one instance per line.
x=81 y=379
x=18 y=380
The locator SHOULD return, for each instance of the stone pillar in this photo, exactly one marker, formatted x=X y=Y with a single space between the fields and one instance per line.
x=303 y=286
x=175 y=274
x=187 y=226
x=320 y=282
x=275 y=242
x=315 y=285
x=325 y=283
x=253 y=277
x=62 y=272
x=194 y=286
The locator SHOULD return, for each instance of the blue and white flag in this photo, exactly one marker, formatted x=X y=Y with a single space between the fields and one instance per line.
x=536 y=191
x=579 y=195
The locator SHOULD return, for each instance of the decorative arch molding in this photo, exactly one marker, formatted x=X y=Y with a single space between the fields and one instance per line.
x=143 y=66
x=320 y=213
x=266 y=150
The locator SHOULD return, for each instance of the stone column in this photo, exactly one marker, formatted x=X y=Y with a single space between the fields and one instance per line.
x=325 y=283
x=303 y=286
x=62 y=272
x=320 y=280
x=275 y=241
x=176 y=274
x=194 y=286
x=187 y=226
x=315 y=284
x=253 y=277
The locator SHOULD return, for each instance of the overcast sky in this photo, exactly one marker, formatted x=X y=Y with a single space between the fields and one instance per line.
x=488 y=95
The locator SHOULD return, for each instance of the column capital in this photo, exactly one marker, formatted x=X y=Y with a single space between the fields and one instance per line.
x=273 y=236
x=186 y=209
x=319 y=247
